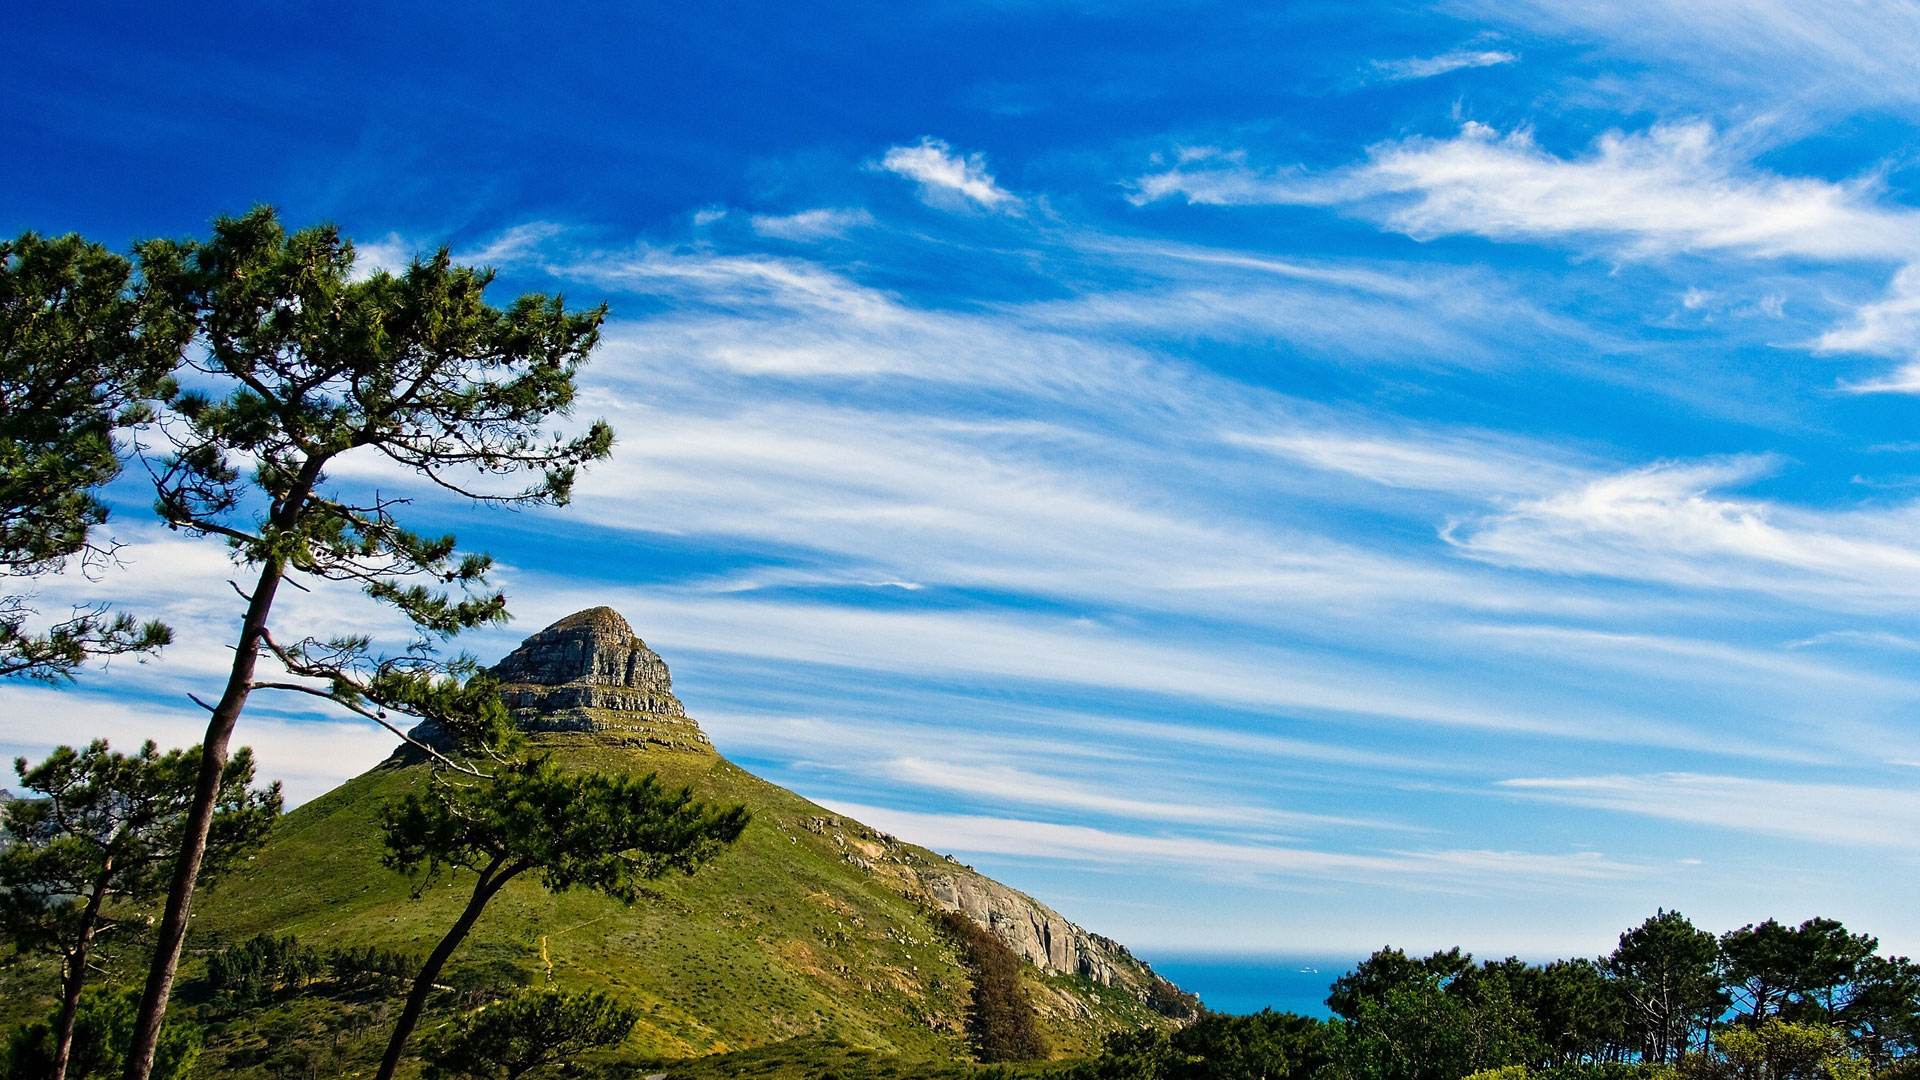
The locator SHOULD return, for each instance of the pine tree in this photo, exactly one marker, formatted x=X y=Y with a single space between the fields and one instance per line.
x=1667 y=969
x=83 y=357
x=307 y=366
x=564 y=829
x=529 y=1030
x=96 y=844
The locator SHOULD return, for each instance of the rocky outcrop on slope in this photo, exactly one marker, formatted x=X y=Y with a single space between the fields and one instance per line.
x=589 y=672
x=1034 y=931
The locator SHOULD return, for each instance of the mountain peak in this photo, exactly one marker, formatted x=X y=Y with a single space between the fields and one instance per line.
x=590 y=672
x=603 y=619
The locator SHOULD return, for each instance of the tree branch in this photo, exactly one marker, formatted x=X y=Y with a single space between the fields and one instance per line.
x=378 y=718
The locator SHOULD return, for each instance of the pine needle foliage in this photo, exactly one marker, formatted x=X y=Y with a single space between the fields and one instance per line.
x=84 y=356
x=530 y=1030
x=88 y=853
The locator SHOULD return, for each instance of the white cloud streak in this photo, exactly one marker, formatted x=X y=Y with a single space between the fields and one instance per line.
x=1011 y=784
x=1889 y=326
x=1673 y=524
x=1779 y=54
x=1673 y=187
x=309 y=757
x=1427 y=67
x=1479 y=870
x=1817 y=812
x=947 y=176
x=819 y=224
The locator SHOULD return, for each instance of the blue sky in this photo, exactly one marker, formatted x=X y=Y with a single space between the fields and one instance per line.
x=1260 y=480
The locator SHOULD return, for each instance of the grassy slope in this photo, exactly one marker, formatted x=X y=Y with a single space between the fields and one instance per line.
x=781 y=938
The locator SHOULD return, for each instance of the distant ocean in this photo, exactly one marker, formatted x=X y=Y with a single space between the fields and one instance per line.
x=1247 y=984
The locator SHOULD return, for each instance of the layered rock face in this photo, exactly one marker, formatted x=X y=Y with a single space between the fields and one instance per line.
x=1039 y=934
x=589 y=672
x=1035 y=932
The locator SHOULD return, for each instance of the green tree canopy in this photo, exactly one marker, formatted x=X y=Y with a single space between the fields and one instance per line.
x=83 y=356
x=1266 y=1045
x=95 y=845
x=1419 y=1031
x=102 y=1025
x=1390 y=968
x=1579 y=1012
x=529 y=1030
x=1883 y=1012
x=1667 y=969
x=1804 y=972
x=1776 y=1049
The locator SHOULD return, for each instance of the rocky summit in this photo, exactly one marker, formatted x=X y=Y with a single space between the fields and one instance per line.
x=590 y=672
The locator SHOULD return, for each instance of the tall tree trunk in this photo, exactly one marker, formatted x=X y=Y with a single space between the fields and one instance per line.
x=75 y=975
x=483 y=891
x=206 y=789
x=193 y=845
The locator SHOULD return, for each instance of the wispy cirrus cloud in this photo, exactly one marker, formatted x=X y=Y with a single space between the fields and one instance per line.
x=1736 y=54
x=1003 y=783
x=1480 y=464
x=1886 y=817
x=1478 y=870
x=1674 y=188
x=1676 y=524
x=817 y=224
x=1427 y=67
x=1889 y=327
x=947 y=176
x=1671 y=188
x=513 y=247
x=308 y=756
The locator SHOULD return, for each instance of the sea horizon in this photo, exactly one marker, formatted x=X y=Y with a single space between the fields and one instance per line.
x=1243 y=984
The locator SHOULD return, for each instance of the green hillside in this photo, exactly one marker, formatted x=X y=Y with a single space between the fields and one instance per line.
x=812 y=927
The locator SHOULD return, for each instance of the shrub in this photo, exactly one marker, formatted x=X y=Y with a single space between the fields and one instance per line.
x=102 y=1027
x=1000 y=1019
x=1169 y=1000
x=528 y=1030
x=256 y=970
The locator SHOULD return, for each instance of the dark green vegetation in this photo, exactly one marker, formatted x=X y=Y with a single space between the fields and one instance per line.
x=89 y=851
x=1764 y=1002
x=261 y=968
x=530 y=1030
x=83 y=355
x=103 y=1026
x=1000 y=1023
